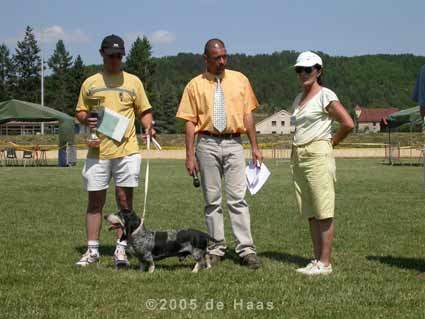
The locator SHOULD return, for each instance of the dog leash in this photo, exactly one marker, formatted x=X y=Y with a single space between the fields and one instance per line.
x=148 y=147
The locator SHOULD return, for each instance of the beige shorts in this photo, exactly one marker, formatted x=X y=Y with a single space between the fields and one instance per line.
x=125 y=171
x=313 y=170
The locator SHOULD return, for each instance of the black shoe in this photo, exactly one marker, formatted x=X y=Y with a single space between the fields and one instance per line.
x=251 y=261
x=213 y=260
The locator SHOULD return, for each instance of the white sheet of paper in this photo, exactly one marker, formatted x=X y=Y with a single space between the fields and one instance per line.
x=113 y=125
x=256 y=177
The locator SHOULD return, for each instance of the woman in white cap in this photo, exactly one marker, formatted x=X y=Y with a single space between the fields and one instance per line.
x=312 y=161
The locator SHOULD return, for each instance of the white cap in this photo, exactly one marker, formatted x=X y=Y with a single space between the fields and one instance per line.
x=308 y=58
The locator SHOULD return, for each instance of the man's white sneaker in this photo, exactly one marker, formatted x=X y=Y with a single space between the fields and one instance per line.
x=319 y=269
x=120 y=258
x=308 y=267
x=89 y=257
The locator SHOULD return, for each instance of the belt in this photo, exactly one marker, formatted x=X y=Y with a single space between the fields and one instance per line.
x=225 y=136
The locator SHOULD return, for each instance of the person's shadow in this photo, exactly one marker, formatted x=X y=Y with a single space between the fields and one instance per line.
x=104 y=250
x=285 y=257
x=400 y=262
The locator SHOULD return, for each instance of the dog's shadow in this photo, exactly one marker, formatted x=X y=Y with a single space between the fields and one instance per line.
x=108 y=250
x=285 y=257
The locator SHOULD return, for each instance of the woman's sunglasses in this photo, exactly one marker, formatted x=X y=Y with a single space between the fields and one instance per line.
x=300 y=69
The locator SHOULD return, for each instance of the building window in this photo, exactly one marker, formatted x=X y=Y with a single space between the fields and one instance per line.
x=282 y=123
x=273 y=132
x=273 y=123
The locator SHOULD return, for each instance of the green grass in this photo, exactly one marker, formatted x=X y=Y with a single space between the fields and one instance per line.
x=379 y=249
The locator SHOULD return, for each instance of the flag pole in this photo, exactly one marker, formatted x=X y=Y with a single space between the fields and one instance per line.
x=42 y=75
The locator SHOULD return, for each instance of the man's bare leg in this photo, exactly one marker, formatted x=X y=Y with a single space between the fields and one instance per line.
x=96 y=201
x=94 y=214
x=124 y=199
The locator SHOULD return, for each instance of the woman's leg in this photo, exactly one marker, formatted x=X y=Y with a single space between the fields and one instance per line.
x=316 y=237
x=326 y=229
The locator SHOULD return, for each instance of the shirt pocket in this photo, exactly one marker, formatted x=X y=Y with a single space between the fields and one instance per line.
x=235 y=100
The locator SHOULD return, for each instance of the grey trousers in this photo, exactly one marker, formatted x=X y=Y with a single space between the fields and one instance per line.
x=224 y=158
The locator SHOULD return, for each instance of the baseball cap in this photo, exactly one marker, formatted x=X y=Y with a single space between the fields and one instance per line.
x=308 y=58
x=112 y=44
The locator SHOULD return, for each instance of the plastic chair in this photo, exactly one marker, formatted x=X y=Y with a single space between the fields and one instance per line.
x=28 y=156
x=11 y=158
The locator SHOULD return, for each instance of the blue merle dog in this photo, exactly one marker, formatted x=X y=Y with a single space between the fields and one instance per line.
x=148 y=246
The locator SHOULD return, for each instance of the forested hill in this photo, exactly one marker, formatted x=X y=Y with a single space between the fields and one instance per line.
x=369 y=80
x=372 y=80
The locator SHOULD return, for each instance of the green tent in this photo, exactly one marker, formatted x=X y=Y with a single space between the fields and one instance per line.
x=16 y=110
x=411 y=115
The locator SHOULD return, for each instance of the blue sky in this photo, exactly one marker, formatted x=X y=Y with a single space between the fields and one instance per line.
x=247 y=26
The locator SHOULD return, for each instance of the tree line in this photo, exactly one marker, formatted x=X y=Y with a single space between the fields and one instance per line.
x=370 y=80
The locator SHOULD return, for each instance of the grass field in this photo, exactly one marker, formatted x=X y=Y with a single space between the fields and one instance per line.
x=379 y=250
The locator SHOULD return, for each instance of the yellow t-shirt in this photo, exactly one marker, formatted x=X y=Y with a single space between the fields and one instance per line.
x=197 y=102
x=123 y=93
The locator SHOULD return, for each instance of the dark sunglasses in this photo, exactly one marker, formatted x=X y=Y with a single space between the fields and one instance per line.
x=115 y=56
x=300 y=69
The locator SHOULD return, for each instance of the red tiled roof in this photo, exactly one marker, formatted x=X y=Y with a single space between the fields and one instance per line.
x=374 y=115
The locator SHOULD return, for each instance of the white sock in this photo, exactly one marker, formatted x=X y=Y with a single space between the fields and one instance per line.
x=93 y=245
x=121 y=245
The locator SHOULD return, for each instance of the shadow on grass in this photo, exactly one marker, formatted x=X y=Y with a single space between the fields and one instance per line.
x=285 y=257
x=108 y=250
x=400 y=262
x=104 y=250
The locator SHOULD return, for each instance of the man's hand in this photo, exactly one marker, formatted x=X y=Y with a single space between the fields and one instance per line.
x=257 y=157
x=147 y=121
x=148 y=131
x=191 y=165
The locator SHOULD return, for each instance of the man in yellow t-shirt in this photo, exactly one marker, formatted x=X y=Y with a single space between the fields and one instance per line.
x=217 y=106
x=124 y=94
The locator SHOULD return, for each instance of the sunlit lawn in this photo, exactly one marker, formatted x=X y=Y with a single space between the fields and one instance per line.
x=379 y=250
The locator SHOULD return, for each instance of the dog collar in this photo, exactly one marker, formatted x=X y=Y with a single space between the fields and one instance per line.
x=138 y=228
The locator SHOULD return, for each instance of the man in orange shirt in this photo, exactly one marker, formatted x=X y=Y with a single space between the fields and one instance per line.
x=217 y=106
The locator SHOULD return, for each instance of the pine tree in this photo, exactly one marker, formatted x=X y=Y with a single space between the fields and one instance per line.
x=139 y=62
x=28 y=66
x=61 y=60
x=7 y=74
x=57 y=85
x=76 y=76
x=165 y=108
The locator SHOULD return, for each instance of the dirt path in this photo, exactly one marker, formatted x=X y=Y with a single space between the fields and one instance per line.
x=339 y=153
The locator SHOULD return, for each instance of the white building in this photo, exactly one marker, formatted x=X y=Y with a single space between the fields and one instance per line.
x=278 y=123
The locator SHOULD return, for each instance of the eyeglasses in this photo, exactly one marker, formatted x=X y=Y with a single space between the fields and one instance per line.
x=217 y=58
x=300 y=69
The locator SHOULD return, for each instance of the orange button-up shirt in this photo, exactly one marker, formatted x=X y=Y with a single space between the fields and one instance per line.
x=197 y=102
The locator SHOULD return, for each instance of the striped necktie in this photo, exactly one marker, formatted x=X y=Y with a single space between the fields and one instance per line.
x=219 y=111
